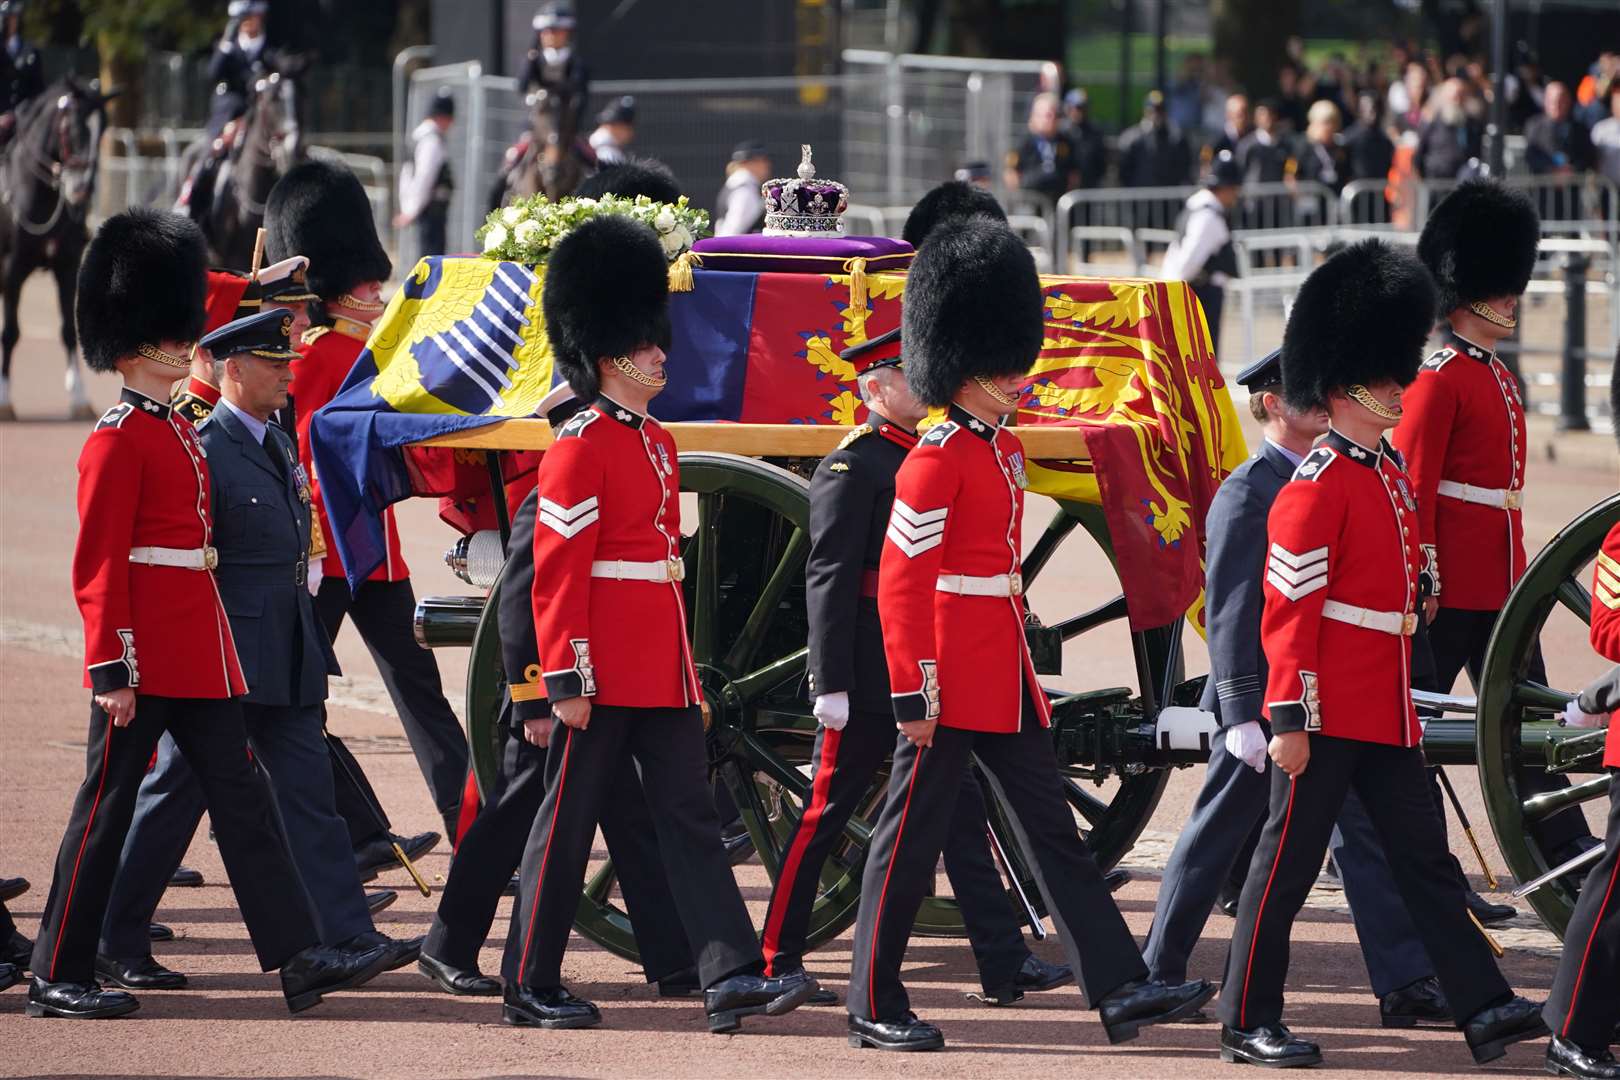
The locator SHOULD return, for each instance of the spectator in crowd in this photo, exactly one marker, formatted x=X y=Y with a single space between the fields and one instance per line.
x=1525 y=86
x=1154 y=153
x=1450 y=138
x=1321 y=157
x=1090 y=145
x=1202 y=252
x=1368 y=151
x=615 y=131
x=1044 y=160
x=1236 y=125
x=1184 y=104
x=1335 y=84
x=1407 y=97
x=1291 y=102
x=1557 y=143
x=1606 y=135
x=1592 y=92
x=1263 y=154
x=740 y=206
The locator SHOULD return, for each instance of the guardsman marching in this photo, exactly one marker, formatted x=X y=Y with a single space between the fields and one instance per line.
x=610 y=623
x=1463 y=436
x=159 y=653
x=320 y=210
x=851 y=494
x=962 y=681
x=1341 y=599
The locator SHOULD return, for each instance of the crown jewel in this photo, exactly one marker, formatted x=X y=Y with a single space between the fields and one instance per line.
x=805 y=206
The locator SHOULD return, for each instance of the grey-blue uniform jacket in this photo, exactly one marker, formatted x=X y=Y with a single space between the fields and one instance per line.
x=261 y=527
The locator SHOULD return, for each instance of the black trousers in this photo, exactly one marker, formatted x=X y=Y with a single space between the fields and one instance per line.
x=7 y=926
x=211 y=735
x=1394 y=790
x=1213 y=299
x=432 y=230
x=923 y=790
x=584 y=769
x=493 y=847
x=845 y=762
x=383 y=612
x=1457 y=641
x=1584 y=1005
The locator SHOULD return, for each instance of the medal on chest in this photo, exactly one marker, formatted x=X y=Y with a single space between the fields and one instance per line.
x=663 y=460
x=1406 y=494
x=1015 y=462
x=301 y=478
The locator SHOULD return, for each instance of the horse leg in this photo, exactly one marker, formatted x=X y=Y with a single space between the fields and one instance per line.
x=65 y=266
x=14 y=277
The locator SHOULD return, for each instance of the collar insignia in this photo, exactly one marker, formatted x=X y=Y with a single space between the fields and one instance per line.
x=622 y=414
x=838 y=466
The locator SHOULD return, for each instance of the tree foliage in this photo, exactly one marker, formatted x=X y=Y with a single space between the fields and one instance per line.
x=126 y=30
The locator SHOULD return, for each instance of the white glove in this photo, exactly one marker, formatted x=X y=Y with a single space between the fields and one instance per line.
x=1574 y=717
x=832 y=710
x=1247 y=743
x=315 y=575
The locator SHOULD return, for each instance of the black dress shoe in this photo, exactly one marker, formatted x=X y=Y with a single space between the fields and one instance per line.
x=1227 y=901
x=318 y=971
x=1419 y=1001
x=738 y=843
x=380 y=900
x=184 y=877
x=1116 y=879
x=77 y=1001
x=473 y=983
x=1271 y=1045
x=397 y=951
x=159 y=932
x=142 y=973
x=17 y=951
x=1490 y=1031
x=1033 y=976
x=1141 y=1003
x=12 y=887
x=906 y=1033
x=1490 y=914
x=1565 y=1058
x=377 y=854
x=553 y=1007
x=9 y=976
x=737 y=996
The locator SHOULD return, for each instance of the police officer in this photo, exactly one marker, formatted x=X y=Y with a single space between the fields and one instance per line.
x=1231 y=806
x=611 y=632
x=739 y=209
x=240 y=57
x=1202 y=252
x=615 y=131
x=1341 y=595
x=554 y=64
x=159 y=651
x=22 y=76
x=962 y=681
x=425 y=183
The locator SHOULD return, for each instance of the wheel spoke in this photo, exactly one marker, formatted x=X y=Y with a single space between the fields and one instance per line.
x=600 y=886
x=1091 y=808
x=756 y=684
x=1061 y=525
x=745 y=792
x=1573 y=595
x=703 y=566
x=762 y=759
x=1530 y=694
x=1548 y=803
x=789 y=568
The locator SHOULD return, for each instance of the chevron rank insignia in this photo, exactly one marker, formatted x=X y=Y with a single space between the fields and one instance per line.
x=1607 y=581
x=916 y=531
x=1297 y=575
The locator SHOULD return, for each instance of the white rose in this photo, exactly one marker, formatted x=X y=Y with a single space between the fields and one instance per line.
x=494 y=238
x=686 y=237
x=665 y=221
x=672 y=244
x=526 y=232
x=512 y=215
x=584 y=200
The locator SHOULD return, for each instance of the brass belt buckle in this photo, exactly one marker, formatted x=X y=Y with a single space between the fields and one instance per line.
x=1409 y=624
x=1513 y=499
x=210 y=557
x=677 y=570
x=1015 y=584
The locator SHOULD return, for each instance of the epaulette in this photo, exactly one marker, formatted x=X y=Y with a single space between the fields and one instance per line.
x=115 y=416
x=940 y=432
x=856 y=432
x=578 y=423
x=1316 y=463
x=315 y=333
x=1439 y=358
x=192 y=407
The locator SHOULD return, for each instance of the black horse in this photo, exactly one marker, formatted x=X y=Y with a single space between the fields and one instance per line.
x=268 y=141
x=47 y=183
x=550 y=158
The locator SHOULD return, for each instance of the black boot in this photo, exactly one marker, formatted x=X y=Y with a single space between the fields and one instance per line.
x=1271 y=1045
x=380 y=900
x=397 y=952
x=553 y=1008
x=684 y=983
x=906 y=1033
x=12 y=887
x=737 y=996
x=1140 y=1003
x=1490 y=1031
x=376 y=854
x=318 y=971
x=184 y=877
x=77 y=1001
x=142 y=973
x=1565 y=1058
x=1415 y=1002
x=1033 y=976
x=159 y=932
x=452 y=980
x=1487 y=913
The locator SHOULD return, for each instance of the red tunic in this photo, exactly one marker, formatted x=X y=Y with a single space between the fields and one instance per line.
x=1606 y=625
x=1343 y=530
x=326 y=356
x=958 y=510
x=143 y=482
x=610 y=491
x=1463 y=422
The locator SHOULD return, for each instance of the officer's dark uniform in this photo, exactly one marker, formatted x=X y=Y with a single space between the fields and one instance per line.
x=568 y=77
x=1046 y=165
x=233 y=71
x=851 y=493
x=22 y=75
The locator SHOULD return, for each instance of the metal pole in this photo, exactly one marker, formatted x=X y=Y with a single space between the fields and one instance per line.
x=1161 y=78
x=1572 y=378
x=1124 y=64
x=475 y=148
x=1498 y=126
x=895 y=110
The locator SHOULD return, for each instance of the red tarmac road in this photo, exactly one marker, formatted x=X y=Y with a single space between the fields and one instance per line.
x=232 y=1022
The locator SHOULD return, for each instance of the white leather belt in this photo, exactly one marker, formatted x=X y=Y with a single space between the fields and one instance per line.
x=1500 y=498
x=621 y=570
x=1401 y=624
x=968 y=585
x=203 y=558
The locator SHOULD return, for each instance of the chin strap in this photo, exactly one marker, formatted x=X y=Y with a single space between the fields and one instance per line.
x=625 y=367
x=1364 y=397
x=1491 y=315
x=994 y=391
x=152 y=352
x=354 y=303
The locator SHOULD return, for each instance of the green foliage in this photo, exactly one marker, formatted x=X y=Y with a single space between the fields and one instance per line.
x=129 y=29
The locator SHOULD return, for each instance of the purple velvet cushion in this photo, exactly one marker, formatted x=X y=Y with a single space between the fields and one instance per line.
x=802 y=254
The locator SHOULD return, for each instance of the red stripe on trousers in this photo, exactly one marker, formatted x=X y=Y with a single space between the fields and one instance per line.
x=776 y=914
x=1580 y=975
x=562 y=780
x=877 y=923
x=1254 y=937
x=470 y=805
x=67 y=905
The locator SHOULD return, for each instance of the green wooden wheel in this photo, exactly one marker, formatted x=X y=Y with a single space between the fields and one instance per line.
x=1515 y=723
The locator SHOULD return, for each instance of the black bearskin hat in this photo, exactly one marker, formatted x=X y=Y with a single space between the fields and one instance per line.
x=319 y=210
x=950 y=199
x=143 y=280
x=1479 y=242
x=1361 y=317
x=972 y=306
x=606 y=294
x=639 y=176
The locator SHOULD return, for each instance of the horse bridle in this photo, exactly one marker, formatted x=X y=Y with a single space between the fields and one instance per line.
x=254 y=156
x=58 y=157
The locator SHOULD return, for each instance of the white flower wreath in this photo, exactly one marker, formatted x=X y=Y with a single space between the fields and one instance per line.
x=527 y=230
